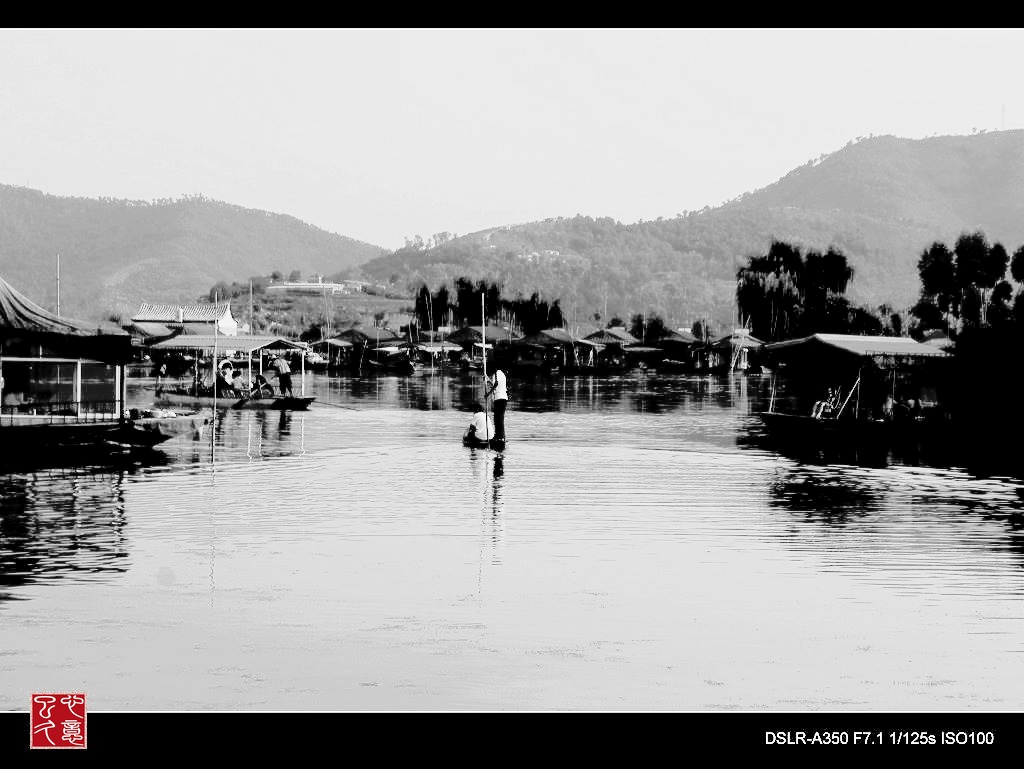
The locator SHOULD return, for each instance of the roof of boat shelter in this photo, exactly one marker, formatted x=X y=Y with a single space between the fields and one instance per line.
x=243 y=343
x=332 y=342
x=862 y=346
x=19 y=313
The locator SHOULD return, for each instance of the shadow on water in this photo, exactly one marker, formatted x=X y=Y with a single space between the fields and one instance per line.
x=962 y=450
x=826 y=494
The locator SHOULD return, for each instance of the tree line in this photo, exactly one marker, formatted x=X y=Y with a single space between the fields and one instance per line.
x=966 y=288
x=785 y=294
x=462 y=306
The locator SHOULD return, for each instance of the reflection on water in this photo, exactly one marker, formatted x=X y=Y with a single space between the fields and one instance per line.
x=638 y=545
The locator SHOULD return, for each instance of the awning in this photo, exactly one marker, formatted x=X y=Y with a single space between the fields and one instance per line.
x=23 y=324
x=19 y=313
x=861 y=346
x=333 y=343
x=439 y=347
x=246 y=344
x=153 y=330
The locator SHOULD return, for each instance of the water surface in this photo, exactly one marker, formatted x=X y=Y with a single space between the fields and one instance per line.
x=637 y=546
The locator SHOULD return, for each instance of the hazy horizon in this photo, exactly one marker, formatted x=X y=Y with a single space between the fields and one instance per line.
x=382 y=135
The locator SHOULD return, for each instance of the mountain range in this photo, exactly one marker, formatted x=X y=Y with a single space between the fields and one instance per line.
x=880 y=200
x=116 y=254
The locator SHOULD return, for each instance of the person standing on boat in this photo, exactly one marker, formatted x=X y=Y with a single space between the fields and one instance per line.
x=496 y=385
x=284 y=374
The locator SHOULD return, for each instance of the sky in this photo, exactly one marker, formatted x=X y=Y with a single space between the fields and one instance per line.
x=385 y=134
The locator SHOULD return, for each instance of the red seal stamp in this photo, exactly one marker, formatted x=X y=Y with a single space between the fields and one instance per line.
x=57 y=721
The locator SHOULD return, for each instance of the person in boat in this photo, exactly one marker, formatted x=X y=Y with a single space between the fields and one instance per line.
x=481 y=428
x=888 y=405
x=496 y=386
x=225 y=388
x=284 y=375
x=261 y=388
x=827 y=406
x=238 y=384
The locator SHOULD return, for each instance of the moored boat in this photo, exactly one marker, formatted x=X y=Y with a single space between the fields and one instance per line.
x=63 y=387
x=857 y=390
x=176 y=396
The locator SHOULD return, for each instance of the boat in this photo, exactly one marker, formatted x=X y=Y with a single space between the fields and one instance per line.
x=63 y=385
x=44 y=435
x=498 y=444
x=885 y=391
x=185 y=396
x=242 y=348
x=476 y=358
x=392 y=360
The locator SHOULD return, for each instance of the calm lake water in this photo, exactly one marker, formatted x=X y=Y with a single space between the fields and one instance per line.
x=637 y=546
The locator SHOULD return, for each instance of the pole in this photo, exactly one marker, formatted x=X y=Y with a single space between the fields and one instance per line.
x=58 y=284
x=483 y=333
x=213 y=373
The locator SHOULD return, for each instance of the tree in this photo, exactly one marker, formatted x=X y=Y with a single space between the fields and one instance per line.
x=219 y=291
x=782 y=294
x=937 y=269
x=1017 y=265
x=958 y=283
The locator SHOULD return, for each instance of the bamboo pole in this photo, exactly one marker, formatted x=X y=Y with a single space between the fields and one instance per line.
x=483 y=333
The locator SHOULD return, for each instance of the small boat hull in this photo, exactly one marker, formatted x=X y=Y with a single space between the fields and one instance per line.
x=24 y=439
x=875 y=432
x=276 y=402
x=498 y=444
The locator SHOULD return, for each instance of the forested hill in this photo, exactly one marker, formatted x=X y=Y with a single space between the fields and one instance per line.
x=116 y=254
x=881 y=201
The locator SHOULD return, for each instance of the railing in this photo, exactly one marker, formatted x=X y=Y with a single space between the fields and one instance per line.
x=59 y=412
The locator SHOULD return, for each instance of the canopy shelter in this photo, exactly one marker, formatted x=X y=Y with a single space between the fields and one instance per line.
x=369 y=336
x=438 y=348
x=731 y=352
x=52 y=364
x=677 y=336
x=147 y=333
x=469 y=334
x=243 y=344
x=612 y=336
x=739 y=340
x=877 y=366
x=335 y=350
x=851 y=348
x=235 y=345
x=29 y=330
x=326 y=344
x=551 y=336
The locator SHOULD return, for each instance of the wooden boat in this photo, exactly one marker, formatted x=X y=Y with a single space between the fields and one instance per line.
x=391 y=361
x=175 y=396
x=888 y=399
x=49 y=436
x=498 y=444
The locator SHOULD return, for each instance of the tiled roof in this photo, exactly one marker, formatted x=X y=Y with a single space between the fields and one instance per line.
x=189 y=313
